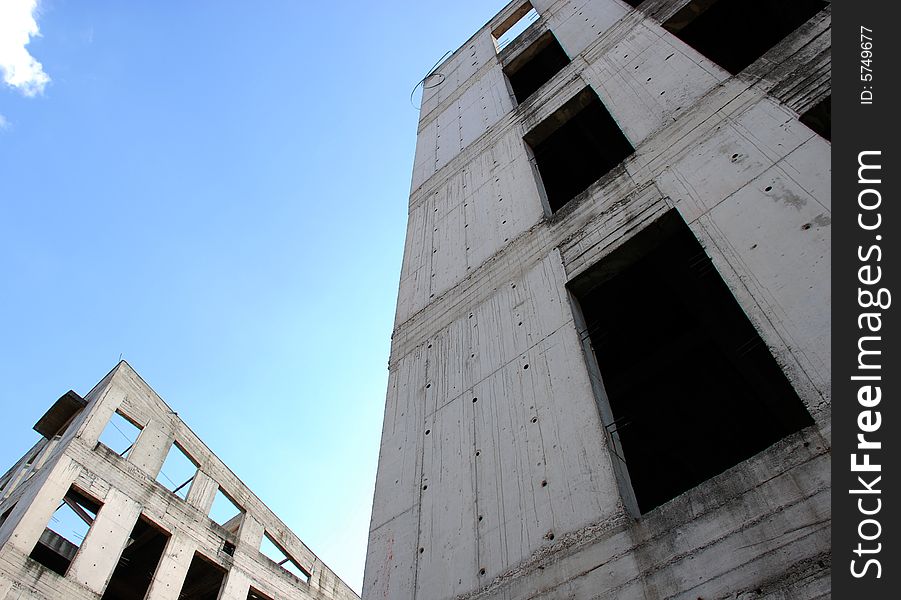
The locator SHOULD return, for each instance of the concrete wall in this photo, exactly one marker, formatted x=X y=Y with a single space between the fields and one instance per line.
x=127 y=490
x=495 y=478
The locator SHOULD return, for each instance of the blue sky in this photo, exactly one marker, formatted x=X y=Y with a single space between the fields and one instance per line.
x=217 y=192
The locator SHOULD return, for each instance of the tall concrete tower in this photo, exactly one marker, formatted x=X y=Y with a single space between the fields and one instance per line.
x=610 y=366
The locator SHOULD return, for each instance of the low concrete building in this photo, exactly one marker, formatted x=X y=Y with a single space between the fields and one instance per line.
x=610 y=365
x=120 y=500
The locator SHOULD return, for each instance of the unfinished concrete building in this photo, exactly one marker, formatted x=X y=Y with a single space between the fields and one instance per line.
x=119 y=500
x=610 y=366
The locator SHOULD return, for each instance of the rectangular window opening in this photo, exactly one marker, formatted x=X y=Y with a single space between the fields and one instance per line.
x=535 y=66
x=735 y=33
x=120 y=434
x=66 y=531
x=203 y=581
x=514 y=25
x=255 y=594
x=178 y=471
x=137 y=563
x=819 y=118
x=226 y=512
x=13 y=477
x=274 y=552
x=6 y=514
x=33 y=456
x=575 y=146
x=689 y=387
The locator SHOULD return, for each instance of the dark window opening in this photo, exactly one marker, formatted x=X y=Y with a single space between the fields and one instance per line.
x=120 y=434
x=254 y=594
x=66 y=531
x=535 y=66
x=178 y=471
x=575 y=146
x=633 y=3
x=514 y=25
x=6 y=514
x=137 y=563
x=274 y=552
x=692 y=388
x=735 y=33
x=819 y=118
x=203 y=580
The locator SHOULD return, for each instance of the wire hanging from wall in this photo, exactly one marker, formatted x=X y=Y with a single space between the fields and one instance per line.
x=431 y=72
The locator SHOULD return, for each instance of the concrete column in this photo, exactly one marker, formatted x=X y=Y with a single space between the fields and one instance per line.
x=320 y=577
x=15 y=481
x=25 y=524
x=251 y=532
x=99 y=553
x=170 y=573
x=45 y=453
x=27 y=470
x=236 y=585
x=203 y=492
x=5 y=586
x=151 y=448
x=100 y=414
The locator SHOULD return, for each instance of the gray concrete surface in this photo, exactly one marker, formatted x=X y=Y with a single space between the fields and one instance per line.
x=475 y=500
x=127 y=490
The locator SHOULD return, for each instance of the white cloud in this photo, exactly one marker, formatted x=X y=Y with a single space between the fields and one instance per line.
x=3 y=122
x=17 y=27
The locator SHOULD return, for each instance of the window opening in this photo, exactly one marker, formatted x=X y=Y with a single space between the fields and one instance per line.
x=14 y=475
x=66 y=531
x=254 y=594
x=575 y=146
x=178 y=471
x=6 y=514
x=120 y=434
x=226 y=512
x=137 y=563
x=819 y=118
x=692 y=388
x=32 y=458
x=535 y=66
x=203 y=581
x=514 y=26
x=735 y=33
x=271 y=550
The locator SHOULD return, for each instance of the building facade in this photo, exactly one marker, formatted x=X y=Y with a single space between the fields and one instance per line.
x=120 y=500
x=610 y=365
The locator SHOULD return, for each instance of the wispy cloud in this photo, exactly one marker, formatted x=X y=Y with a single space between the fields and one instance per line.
x=17 y=27
x=3 y=123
